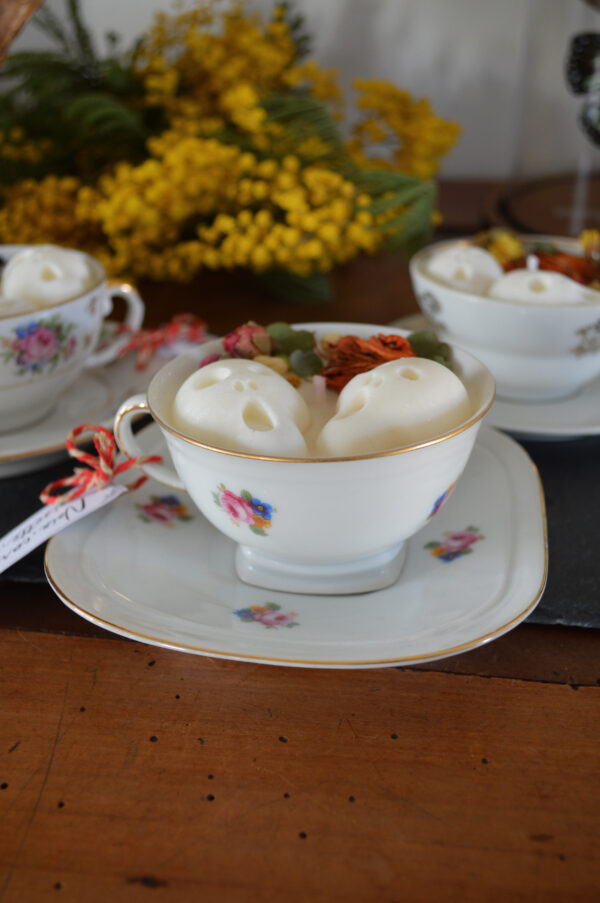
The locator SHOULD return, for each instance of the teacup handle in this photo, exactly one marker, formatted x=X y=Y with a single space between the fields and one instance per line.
x=130 y=409
x=134 y=317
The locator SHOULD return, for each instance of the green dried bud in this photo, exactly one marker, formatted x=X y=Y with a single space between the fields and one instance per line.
x=305 y=363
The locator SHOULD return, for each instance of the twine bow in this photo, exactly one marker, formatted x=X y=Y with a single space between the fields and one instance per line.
x=146 y=342
x=101 y=469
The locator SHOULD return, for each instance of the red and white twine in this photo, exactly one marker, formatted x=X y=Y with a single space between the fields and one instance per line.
x=101 y=469
x=146 y=342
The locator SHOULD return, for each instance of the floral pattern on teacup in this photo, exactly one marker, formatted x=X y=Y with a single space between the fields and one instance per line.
x=39 y=345
x=269 y=615
x=163 y=509
x=588 y=340
x=454 y=545
x=441 y=500
x=244 y=509
x=431 y=307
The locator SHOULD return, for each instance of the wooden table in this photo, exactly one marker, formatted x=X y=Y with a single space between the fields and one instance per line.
x=131 y=773
x=128 y=772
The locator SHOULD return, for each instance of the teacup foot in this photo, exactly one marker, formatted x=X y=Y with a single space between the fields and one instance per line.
x=362 y=575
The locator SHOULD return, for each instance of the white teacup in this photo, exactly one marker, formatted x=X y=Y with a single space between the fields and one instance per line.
x=535 y=352
x=43 y=351
x=311 y=525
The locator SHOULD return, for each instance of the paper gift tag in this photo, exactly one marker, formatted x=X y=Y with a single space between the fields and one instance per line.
x=51 y=519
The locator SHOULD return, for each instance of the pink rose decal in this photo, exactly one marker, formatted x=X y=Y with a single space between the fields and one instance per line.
x=245 y=509
x=455 y=544
x=163 y=509
x=458 y=542
x=236 y=507
x=157 y=511
x=39 y=345
x=269 y=615
x=275 y=618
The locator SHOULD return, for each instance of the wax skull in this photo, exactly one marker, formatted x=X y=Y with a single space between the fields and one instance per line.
x=398 y=403
x=242 y=405
x=469 y=268
x=44 y=275
x=534 y=286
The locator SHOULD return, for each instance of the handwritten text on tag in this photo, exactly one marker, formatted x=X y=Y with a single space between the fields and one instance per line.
x=49 y=520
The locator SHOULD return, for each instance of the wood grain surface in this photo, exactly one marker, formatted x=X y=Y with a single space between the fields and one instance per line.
x=133 y=773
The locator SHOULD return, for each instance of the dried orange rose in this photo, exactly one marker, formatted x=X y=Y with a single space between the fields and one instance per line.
x=351 y=355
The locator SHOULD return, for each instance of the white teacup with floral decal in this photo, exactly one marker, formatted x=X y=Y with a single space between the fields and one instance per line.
x=312 y=525
x=44 y=349
x=536 y=351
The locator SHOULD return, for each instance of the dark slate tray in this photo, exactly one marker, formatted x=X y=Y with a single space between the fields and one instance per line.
x=570 y=473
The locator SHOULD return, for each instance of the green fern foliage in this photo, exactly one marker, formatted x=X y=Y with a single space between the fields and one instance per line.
x=393 y=190
x=298 y=33
x=304 y=117
x=81 y=104
x=311 y=289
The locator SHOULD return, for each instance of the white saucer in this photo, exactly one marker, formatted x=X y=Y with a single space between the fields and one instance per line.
x=93 y=398
x=569 y=418
x=171 y=581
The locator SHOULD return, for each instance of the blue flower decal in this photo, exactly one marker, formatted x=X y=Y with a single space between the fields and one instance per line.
x=262 y=508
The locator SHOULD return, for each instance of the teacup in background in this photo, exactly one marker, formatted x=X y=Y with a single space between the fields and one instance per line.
x=43 y=351
x=311 y=525
x=535 y=352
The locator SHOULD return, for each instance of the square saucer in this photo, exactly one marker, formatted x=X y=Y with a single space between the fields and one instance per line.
x=152 y=568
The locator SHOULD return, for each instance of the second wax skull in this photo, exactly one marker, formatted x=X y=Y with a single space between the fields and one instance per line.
x=397 y=403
